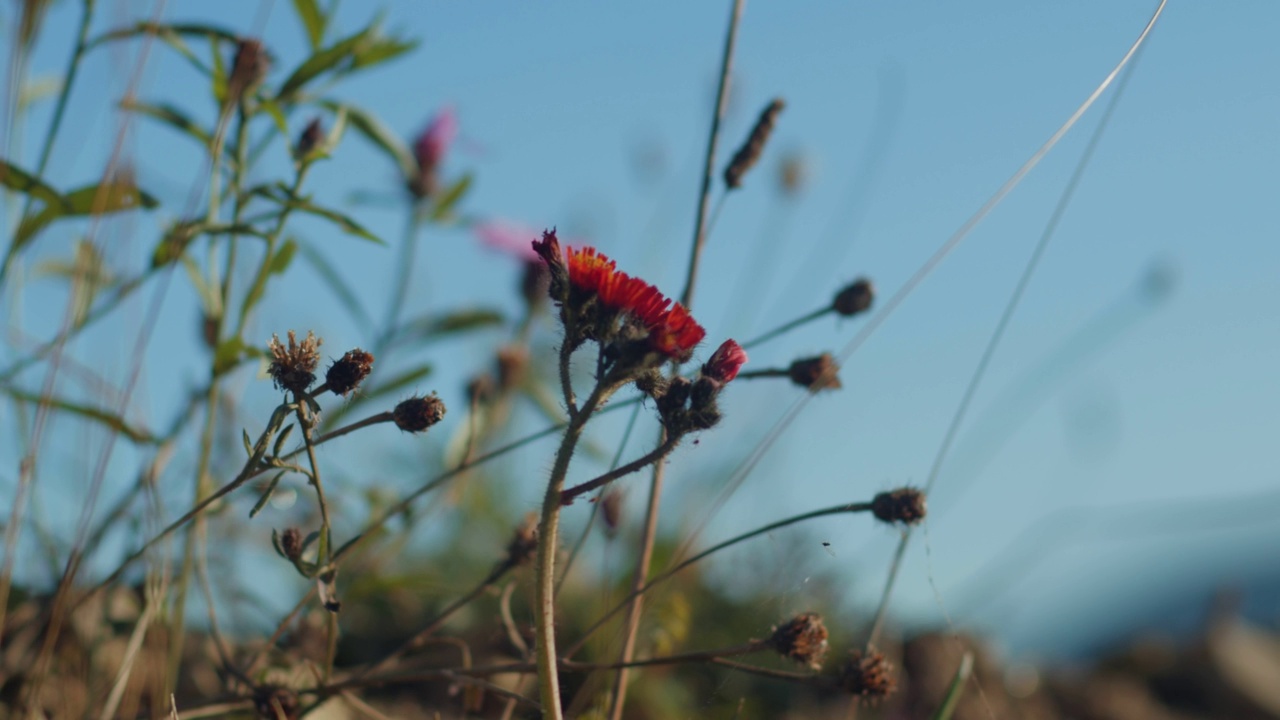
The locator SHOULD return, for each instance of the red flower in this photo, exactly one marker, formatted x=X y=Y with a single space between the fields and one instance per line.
x=725 y=362
x=672 y=330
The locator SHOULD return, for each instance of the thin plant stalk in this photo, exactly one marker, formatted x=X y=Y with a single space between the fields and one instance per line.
x=997 y=335
x=548 y=541
x=650 y=532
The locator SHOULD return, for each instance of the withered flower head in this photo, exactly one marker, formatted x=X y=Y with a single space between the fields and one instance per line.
x=904 y=505
x=291 y=543
x=855 y=298
x=611 y=512
x=346 y=374
x=418 y=413
x=725 y=362
x=751 y=150
x=512 y=362
x=524 y=544
x=273 y=702
x=816 y=373
x=803 y=639
x=293 y=368
x=868 y=676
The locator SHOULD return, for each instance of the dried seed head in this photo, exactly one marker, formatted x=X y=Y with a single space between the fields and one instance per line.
x=346 y=374
x=480 y=388
x=816 y=373
x=751 y=150
x=793 y=174
x=611 y=512
x=293 y=367
x=904 y=505
x=275 y=703
x=512 y=361
x=419 y=413
x=291 y=543
x=868 y=676
x=803 y=639
x=535 y=281
x=524 y=544
x=855 y=298
x=247 y=69
x=725 y=362
x=309 y=140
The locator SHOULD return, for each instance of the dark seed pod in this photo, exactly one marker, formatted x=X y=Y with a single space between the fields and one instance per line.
x=753 y=148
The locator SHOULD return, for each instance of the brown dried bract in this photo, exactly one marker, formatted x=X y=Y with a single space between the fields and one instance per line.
x=816 y=373
x=418 y=413
x=868 y=676
x=803 y=639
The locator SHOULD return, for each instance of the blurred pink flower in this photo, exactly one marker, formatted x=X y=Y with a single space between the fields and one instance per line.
x=434 y=142
x=508 y=237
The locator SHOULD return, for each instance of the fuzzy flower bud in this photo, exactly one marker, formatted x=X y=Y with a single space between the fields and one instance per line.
x=346 y=374
x=293 y=368
x=904 y=505
x=725 y=362
x=249 y=67
x=419 y=413
x=855 y=298
x=309 y=140
x=816 y=373
x=291 y=543
x=429 y=150
x=548 y=248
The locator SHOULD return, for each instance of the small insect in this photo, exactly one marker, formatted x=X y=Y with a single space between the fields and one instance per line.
x=827 y=546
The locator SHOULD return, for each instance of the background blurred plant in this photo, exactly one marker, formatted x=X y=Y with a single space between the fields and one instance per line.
x=403 y=582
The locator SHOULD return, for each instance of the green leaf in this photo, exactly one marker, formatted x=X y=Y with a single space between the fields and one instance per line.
x=956 y=689
x=444 y=204
x=228 y=354
x=266 y=495
x=380 y=51
x=313 y=20
x=218 y=75
x=432 y=327
x=387 y=141
x=283 y=257
x=170 y=116
x=273 y=109
x=19 y=180
x=172 y=36
x=280 y=441
x=109 y=197
x=248 y=444
x=320 y=62
x=337 y=285
x=282 y=195
x=108 y=419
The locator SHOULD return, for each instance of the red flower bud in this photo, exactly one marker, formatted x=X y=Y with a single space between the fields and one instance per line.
x=725 y=362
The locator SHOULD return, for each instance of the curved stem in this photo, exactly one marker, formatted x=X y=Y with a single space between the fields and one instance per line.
x=548 y=541
x=568 y=496
x=668 y=574
x=787 y=327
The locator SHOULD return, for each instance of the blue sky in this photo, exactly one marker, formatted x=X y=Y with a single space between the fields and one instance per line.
x=908 y=115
